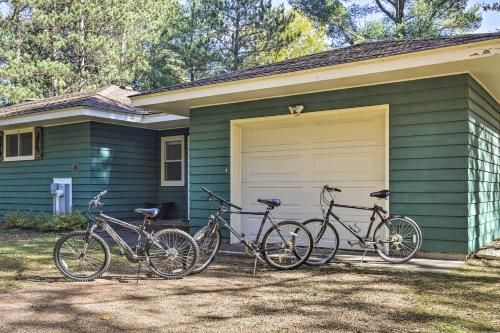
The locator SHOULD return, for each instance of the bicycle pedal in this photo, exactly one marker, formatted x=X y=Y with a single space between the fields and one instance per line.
x=122 y=253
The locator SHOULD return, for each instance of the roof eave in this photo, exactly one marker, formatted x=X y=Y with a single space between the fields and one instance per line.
x=77 y=114
x=208 y=94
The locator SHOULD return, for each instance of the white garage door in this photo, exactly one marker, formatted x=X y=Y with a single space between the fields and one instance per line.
x=291 y=159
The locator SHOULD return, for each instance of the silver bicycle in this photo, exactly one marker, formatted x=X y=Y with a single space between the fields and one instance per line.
x=85 y=256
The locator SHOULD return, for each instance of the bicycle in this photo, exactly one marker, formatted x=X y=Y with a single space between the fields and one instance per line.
x=84 y=255
x=285 y=245
x=396 y=238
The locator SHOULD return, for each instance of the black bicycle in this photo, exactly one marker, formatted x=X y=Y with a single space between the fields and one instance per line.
x=85 y=256
x=285 y=245
x=396 y=238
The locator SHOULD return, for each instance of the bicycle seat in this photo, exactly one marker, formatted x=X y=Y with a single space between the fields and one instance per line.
x=381 y=194
x=149 y=212
x=270 y=202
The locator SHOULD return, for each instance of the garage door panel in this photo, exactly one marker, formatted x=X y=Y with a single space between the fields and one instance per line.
x=256 y=167
x=342 y=164
x=271 y=139
x=293 y=159
x=348 y=133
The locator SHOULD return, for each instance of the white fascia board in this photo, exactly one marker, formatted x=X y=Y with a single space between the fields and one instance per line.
x=341 y=71
x=63 y=114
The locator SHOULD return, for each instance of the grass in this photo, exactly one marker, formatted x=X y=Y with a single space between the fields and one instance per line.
x=465 y=300
x=228 y=298
x=26 y=258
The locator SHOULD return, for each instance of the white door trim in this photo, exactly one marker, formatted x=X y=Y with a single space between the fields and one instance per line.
x=235 y=156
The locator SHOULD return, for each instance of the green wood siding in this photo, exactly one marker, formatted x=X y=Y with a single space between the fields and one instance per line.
x=429 y=150
x=125 y=161
x=175 y=194
x=483 y=167
x=25 y=185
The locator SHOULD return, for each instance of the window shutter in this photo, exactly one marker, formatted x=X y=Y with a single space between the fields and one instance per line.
x=1 y=146
x=38 y=143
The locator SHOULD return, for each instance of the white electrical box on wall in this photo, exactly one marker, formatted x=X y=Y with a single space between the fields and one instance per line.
x=62 y=196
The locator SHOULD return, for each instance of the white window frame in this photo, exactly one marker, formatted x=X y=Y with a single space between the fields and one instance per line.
x=19 y=131
x=181 y=182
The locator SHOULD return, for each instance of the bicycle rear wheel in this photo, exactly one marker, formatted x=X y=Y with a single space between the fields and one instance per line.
x=398 y=239
x=171 y=253
x=208 y=239
x=80 y=259
x=287 y=245
x=326 y=242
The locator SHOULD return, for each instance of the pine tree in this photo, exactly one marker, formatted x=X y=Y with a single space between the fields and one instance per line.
x=248 y=28
x=50 y=47
x=195 y=42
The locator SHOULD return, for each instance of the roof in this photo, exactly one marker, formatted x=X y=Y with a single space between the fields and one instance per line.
x=350 y=54
x=111 y=98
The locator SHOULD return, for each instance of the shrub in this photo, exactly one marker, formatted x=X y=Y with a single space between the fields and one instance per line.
x=44 y=221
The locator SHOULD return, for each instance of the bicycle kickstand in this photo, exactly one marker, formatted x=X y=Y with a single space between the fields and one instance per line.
x=257 y=259
x=255 y=265
x=363 y=257
x=138 y=272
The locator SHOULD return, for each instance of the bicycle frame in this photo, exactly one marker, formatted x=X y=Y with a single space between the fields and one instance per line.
x=104 y=221
x=217 y=218
x=376 y=211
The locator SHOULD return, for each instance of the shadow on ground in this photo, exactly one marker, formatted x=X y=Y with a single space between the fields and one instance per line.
x=227 y=298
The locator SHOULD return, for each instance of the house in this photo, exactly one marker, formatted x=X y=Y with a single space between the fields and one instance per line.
x=420 y=117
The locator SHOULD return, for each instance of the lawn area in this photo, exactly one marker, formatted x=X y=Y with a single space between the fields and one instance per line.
x=227 y=298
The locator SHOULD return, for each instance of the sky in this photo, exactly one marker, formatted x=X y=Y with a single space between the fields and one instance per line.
x=491 y=20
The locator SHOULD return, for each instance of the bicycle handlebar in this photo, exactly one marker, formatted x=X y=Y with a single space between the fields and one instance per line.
x=331 y=188
x=211 y=194
x=96 y=201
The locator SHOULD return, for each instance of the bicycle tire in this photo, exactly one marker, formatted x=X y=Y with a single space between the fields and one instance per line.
x=321 y=255
x=62 y=263
x=416 y=239
x=302 y=257
x=172 y=254
x=204 y=245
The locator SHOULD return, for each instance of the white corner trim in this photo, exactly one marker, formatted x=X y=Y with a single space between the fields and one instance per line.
x=18 y=131
x=164 y=182
x=339 y=71
x=89 y=113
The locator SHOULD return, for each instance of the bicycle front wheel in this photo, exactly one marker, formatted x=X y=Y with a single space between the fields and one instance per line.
x=287 y=245
x=171 y=253
x=81 y=259
x=397 y=239
x=208 y=239
x=326 y=241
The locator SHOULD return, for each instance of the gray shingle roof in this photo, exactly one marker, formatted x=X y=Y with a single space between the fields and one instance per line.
x=359 y=52
x=111 y=98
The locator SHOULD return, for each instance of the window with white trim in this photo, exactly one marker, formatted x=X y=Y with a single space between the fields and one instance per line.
x=19 y=144
x=172 y=161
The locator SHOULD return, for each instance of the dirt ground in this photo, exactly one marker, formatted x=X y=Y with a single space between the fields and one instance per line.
x=228 y=298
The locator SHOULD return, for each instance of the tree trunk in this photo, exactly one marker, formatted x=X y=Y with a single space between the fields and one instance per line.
x=81 y=64
x=236 y=39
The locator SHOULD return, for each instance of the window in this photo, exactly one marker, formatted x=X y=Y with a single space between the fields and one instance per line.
x=19 y=144
x=172 y=161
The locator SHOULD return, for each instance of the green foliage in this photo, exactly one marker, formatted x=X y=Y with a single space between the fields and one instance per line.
x=50 y=47
x=44 y=221
x=305 y=38
x=494 y=7
x=349 y=22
